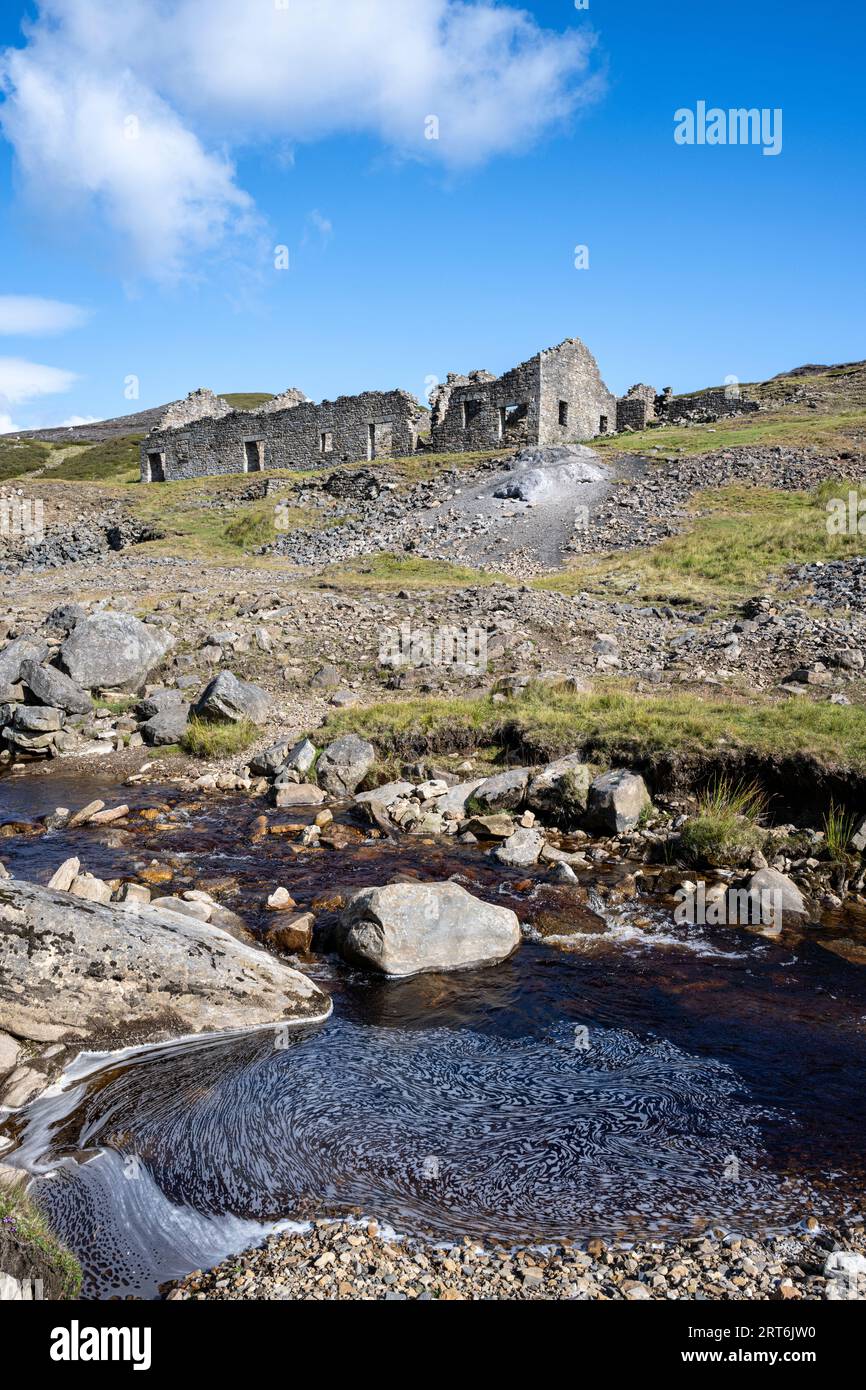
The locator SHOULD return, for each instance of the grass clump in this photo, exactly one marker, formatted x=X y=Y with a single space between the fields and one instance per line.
x=203 y=739
x=22 y=1225
x=726 y=830
x=838 y=833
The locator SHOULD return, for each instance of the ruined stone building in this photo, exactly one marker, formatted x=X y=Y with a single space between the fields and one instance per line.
x=556 y=397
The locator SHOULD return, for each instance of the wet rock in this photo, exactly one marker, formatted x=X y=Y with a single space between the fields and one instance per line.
x=280 y=900
x=404 y=928
x=297 y=794
x=559 y=792
x=488 y=827
x=92 y=889
x=504 y=792
x=268 y=762
x=344 y=764
x=75 y=969
x=228 y=700
x=51 y=687
x=293 y=934
x=85 y=814
x=521 y=849
x=385 y=795
x=64 y=877
x=616 y=801
x=113 y=650
x=783 y=892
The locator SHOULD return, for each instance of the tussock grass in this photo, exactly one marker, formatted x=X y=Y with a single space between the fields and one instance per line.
x=22 y=1218
x=203 y=739
x=738 y=537
x=726 y=828
x=838 y=830
x=548 y=721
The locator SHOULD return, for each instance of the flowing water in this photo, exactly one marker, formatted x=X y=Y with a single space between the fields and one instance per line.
x=637 y=1078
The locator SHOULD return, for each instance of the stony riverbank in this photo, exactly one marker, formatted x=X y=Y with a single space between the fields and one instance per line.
x=345 y=1260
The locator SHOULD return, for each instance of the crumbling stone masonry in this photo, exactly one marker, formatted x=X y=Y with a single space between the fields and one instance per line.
x=204 y=435
x=557 y=397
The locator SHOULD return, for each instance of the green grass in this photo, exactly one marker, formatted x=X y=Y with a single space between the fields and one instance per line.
x=113 y=460
x=25 y=1221
x=726 y=829
x=838 y=830
x=388 y=571
x=737 y=538
x=548 y=721
x=246 y=400
x=832 y=433
x=21 y=456
x=203 y=739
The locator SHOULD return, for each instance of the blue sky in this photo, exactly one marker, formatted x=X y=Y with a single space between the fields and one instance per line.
x=705 y=261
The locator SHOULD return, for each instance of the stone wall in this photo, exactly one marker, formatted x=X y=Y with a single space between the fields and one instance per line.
x=704 y=406
x=637 y=408
x=575 y=403
x=377 y=424
x=556 y=397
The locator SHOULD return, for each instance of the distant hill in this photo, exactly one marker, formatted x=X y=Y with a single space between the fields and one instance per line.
x=141 y=422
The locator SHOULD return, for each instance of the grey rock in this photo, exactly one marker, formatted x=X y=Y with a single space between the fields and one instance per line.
x=113 y=650
x=344 y=764
x=228 y=700
x=561 y=789
x=328 y=678
x=616 y=801
x=387 y=794
x=51 y=687
x=158 y=701
x=520 y=849
x=786 y=894
x=168 y=726
x=74 y=969
x=405 y=928
x=38 y=719
x=15 y=654
x=504 y=792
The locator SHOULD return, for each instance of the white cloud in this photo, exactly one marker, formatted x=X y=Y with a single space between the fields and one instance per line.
x=8 y=426
x=22 y=381
x=78 y=420
x=27 y=314
x=133 y=112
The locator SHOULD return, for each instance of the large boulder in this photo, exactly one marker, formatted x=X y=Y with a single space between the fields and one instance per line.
x=521 y=849
x=560 y=790
x=504 y=792
x=72 y=969
x=616 y=801
x=344 y=765
x=228 y=700
x=113 y=651
x=12 y=660
x=167 y=726
x=781 y=900
x=405 y=928
x=51 y=687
